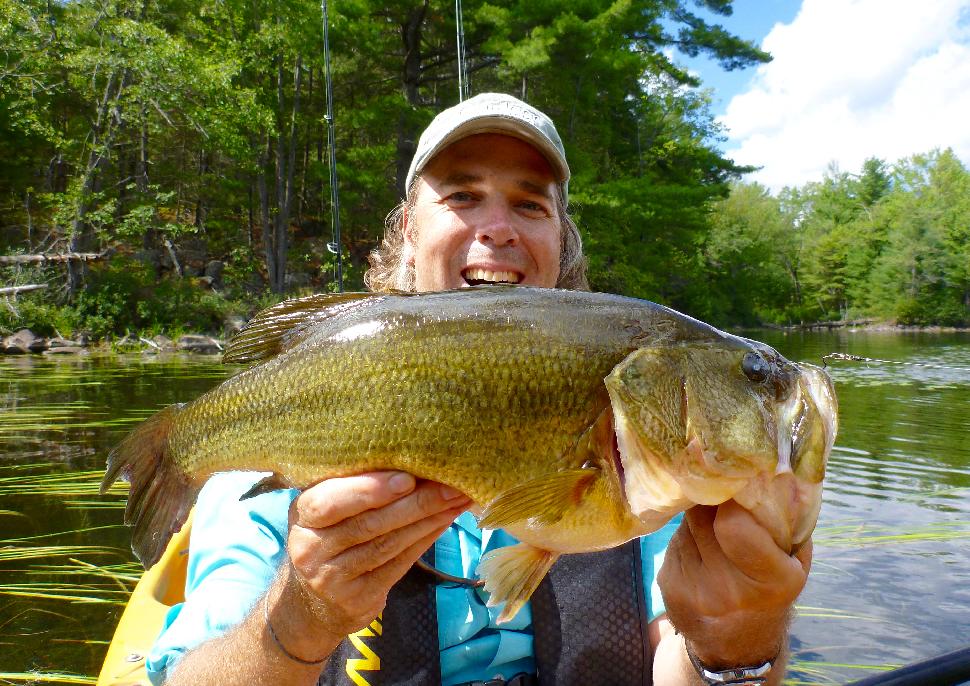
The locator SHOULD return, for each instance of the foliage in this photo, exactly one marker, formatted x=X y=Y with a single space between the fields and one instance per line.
x=181 y=133
x=126 y=296
x=888 y=244
x=185 y=135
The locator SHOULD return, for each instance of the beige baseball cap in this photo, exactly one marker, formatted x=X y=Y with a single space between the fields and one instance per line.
x=492 y=113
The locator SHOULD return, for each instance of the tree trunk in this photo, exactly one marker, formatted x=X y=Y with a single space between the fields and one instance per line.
x=201 y=204
x=407 y=133
x=102 y=134
x=301 y=196
x=285 y=163
x=149 y=240
x=264 y=212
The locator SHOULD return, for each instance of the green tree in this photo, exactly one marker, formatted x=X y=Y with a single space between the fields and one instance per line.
x=178 y=132
x=922 y=272
x=751 y=258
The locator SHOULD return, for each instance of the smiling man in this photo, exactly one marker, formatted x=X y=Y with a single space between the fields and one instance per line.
x=315 y=587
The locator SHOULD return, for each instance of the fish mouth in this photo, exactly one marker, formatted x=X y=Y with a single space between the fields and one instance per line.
x=816 y=408
x=651 y=492
x=477 y=276
x=615 y=460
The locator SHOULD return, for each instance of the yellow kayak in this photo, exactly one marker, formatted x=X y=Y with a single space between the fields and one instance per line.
x=157 y=591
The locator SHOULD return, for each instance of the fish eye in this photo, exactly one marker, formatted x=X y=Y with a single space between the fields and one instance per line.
x=755 y=367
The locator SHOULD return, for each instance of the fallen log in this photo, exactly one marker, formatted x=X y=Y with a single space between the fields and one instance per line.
x=60 y=257
x=14 y=290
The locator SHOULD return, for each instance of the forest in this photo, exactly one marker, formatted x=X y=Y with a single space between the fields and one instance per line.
x=182 y=150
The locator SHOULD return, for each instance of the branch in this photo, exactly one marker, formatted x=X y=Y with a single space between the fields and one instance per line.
x=63 y=257
x=14 y=290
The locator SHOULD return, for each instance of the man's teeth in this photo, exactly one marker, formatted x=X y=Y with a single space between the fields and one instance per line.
x=494 y=277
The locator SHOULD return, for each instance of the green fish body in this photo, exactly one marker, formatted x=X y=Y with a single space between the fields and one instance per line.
x=574 y=420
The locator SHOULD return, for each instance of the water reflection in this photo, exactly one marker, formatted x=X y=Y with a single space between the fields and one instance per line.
x=890 y=582
x=58 y=417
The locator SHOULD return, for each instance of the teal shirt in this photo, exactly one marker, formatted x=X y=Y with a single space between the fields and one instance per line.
x=237 y=546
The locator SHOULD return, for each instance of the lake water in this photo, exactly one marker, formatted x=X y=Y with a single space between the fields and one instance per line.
x=891 y=577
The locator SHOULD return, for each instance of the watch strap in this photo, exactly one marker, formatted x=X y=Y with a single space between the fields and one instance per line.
x=736 y=676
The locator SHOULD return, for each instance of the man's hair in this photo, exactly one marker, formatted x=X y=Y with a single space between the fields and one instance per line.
x=389 y=270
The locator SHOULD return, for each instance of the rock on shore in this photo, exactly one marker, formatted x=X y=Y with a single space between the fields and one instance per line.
x=25 y=341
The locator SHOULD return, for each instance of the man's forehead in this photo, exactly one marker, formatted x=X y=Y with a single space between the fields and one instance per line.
x=532 y=183
x=473 y=157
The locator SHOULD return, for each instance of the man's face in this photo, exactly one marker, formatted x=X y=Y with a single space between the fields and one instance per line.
x=485 y=211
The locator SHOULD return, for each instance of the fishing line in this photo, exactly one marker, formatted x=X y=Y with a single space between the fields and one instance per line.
x=333 y=247
x=846 y=357
x=460 y=49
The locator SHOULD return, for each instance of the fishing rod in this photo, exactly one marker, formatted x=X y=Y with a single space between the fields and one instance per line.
x=949 y=669
x=334 y=247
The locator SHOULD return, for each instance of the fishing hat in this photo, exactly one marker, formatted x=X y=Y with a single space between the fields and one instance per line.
x=492 y=113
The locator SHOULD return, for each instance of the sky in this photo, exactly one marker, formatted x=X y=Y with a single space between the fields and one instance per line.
x=850 y=79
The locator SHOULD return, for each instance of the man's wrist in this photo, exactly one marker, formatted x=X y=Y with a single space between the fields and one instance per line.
x=296 y=620
x=729 y=642
x=748 y=648
x=738 y=675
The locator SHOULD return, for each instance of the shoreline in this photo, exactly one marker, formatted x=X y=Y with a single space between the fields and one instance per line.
x=859 y=327
x=25 y=342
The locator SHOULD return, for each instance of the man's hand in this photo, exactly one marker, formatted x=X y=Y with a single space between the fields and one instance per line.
x=729 y=588
x=350 y=540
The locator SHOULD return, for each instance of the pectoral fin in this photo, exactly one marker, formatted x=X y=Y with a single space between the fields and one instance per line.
x=544 y=500
x=268 y=484
x=512 y=574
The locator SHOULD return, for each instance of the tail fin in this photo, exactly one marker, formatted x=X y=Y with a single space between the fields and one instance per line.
x=161 y=493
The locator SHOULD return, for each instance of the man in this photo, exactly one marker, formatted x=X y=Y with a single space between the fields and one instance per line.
x=271 y=596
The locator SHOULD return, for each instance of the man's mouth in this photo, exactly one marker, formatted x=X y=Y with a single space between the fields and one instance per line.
x=476 y=277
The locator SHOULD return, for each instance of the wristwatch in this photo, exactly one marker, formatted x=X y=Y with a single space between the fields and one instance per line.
x=737 y=676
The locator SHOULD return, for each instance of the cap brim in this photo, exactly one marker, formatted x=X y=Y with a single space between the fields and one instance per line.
x=508 y=127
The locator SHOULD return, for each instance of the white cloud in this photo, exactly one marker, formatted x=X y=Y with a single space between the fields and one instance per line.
x=853 y=79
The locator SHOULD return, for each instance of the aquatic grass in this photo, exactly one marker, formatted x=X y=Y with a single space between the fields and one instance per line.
x=74 y=594
x=14 y=553
x=63 y=422
x=25 y=467
x=77 y=581
x=868 y=534
x=57 y=534
x=57 y=422
x=78 y=490
x=125 y=574
x=95 y=504
x=60 y=484
x=835 y=613
x=825 y=671
x=47 y=678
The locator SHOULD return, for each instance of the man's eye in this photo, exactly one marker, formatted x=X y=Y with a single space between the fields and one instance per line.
x=530 y=206
x=461 y=196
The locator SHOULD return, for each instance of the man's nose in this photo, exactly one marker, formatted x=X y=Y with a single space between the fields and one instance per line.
x=498 y=226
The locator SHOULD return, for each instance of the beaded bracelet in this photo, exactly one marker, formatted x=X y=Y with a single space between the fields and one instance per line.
x=279 y=644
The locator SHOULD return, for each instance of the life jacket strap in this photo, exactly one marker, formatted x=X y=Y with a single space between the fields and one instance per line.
x=520 y=679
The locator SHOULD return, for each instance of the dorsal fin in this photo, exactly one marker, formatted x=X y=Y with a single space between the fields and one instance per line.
x=286 y=324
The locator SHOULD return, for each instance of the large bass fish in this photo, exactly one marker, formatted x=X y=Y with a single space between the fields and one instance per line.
x=574 y=420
